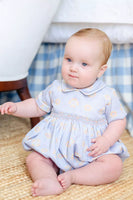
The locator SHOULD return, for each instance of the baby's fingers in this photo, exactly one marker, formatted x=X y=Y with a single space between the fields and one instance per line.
x=7 y=109
x=4 y=109
x=94 y=152
x=93 y=140
x=91 y=148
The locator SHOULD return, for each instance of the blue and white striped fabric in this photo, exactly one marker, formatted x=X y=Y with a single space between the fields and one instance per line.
x=46 y=67
x=120 y=76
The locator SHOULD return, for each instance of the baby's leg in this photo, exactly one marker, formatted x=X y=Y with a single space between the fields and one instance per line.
x=44 y=174
x=105 y=169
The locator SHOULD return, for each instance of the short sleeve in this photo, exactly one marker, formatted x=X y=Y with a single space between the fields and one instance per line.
x=114 y=109
x=44 y=100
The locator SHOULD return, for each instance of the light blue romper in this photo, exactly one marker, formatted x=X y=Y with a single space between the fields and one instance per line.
x=76 y=116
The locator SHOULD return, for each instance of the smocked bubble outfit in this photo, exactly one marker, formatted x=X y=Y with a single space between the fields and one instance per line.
x=76 y=116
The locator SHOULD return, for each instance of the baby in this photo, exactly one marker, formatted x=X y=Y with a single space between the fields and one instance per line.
x=78 y=142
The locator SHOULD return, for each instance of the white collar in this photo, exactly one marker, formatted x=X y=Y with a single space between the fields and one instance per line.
x=98 y=85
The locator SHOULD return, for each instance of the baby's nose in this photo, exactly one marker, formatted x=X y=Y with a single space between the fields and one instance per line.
x=74 y=67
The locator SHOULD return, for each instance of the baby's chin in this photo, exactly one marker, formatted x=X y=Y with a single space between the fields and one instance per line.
x=78 y=85
x=73 y=84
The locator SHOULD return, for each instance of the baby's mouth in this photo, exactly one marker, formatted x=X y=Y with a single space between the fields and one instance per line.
x=72 y=76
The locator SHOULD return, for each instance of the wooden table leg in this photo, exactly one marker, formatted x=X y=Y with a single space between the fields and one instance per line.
x=21 y=87
x=24 y=94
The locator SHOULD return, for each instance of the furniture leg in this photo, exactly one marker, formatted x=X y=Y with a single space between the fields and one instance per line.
x=22 y=89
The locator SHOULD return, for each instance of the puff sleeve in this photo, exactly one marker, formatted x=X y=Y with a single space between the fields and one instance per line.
x=114 y=109
x=44 y=99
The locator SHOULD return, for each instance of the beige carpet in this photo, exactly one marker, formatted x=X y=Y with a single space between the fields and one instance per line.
x=15 y=182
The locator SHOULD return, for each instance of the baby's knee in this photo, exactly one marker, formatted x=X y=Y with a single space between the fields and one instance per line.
x=118 y=165
x=115 y=167
x=32 y=157
x=36 y=157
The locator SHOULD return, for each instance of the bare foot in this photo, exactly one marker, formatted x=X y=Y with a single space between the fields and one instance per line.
x=65 y=179
x=47 y=186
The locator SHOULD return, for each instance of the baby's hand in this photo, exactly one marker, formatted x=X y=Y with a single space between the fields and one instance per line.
x=8 y=108
x=101 y=145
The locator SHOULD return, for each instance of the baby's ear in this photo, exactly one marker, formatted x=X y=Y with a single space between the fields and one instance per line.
x=102 y=70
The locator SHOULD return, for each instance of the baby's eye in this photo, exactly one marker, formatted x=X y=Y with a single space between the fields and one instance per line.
x=69 y=60
x=84 y=64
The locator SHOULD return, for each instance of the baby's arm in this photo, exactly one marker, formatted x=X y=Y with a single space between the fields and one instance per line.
x=109 y=137
x=27 y=108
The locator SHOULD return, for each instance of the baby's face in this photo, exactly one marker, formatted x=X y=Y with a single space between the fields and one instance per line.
x=82 y=62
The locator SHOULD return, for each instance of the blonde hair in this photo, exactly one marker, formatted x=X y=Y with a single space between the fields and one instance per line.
x=99 y=35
